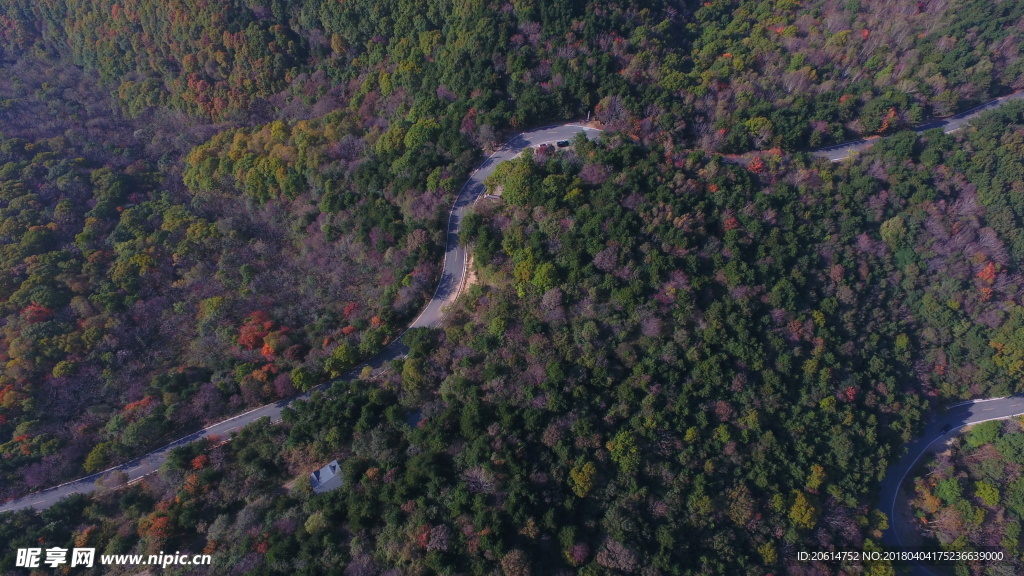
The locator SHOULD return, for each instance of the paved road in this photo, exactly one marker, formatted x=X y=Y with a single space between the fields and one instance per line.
x=842 y=151
x=942 y=426
x=455 y=255
x=449 y=286
x=452 y=279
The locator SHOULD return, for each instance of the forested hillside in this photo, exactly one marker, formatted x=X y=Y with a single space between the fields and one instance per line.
x=136 y=306
x=729 y=74
x=670 y=365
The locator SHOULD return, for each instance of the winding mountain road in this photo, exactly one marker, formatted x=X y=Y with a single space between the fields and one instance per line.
x=454 y=273
x=943 y=426
x=453 y=276
x=948 y=125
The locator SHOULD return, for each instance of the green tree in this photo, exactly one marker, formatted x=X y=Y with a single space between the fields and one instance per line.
x=987 y=493
x=98 y=458
x=316 y=523
x=581 y=478
x=803 y=513
x=302 y=379
x=625 y=452
x=341 y=359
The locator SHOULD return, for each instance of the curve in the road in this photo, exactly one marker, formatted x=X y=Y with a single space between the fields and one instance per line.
x=453 y=276
x=454 y=272
x=941 y=428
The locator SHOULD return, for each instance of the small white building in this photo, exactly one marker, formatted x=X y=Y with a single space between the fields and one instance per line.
x=327 y=478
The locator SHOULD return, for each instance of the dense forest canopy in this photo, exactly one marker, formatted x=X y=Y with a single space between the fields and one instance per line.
x=138 y=301
x=668 y=363
x=730 y=74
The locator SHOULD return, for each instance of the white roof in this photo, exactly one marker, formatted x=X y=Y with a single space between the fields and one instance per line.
x=326 y=478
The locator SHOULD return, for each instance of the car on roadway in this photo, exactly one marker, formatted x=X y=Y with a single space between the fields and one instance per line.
x=562 y=143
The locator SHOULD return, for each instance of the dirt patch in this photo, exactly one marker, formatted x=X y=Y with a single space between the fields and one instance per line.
x=471 y=277
x=300 y=482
